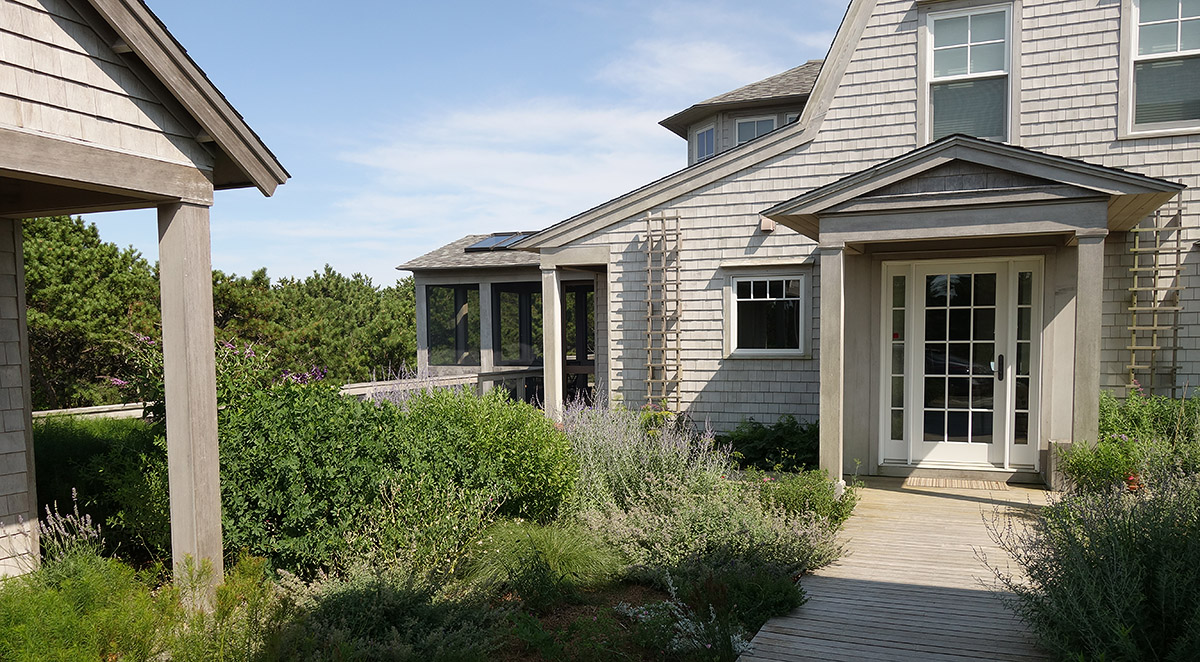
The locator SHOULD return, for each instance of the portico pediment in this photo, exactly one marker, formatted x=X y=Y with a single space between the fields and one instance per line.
x=966 y=186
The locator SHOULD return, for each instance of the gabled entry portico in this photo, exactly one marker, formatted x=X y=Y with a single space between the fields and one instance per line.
x=970 y=273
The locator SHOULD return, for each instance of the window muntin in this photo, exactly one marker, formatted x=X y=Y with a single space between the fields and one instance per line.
x=704 y=144
x=768 y=313
x=750 y=128
x=969 y=67
x=452 y=324
x=1166 y=69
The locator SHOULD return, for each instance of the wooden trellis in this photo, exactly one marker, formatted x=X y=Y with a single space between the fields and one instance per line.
x=1154 y=300
x=664 y=310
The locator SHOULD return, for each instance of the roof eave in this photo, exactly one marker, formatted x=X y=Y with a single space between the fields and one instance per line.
x=157 y=49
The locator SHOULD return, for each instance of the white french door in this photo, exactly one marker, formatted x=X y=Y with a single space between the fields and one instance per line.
x=961 y=354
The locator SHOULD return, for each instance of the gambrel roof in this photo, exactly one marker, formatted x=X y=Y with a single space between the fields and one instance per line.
x=242 y=158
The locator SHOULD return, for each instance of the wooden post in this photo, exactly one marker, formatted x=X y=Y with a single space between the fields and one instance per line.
x=1089 y=293
x=553 y=371
x=832 y=348
x=189 y=366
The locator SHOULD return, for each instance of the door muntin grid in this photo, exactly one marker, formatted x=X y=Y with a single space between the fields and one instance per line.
x=959 y=349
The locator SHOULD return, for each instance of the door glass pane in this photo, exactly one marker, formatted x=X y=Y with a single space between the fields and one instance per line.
x=898 y=324
x=935 y=291
x=935 y=358
x=935 y=425
x=897 y=359
x=956 y=426
x=959 y=359
x=985 y=289
x=935 y=392
x=1021 y=429
x=898 y=292
x=984 y=353
x=958 y=392
x=1022 y=393
x=982 y=392
x=898 y=424
x=1022 y=358
x=1023 y=323
x=897 y=391
x=960 y=324
x=935 y=324
x=1025 y=288
x=985 y=324
x=743 y=289
x=981 y=427
x=959 y=287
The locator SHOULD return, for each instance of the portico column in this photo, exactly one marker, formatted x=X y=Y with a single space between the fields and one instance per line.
x=832 y=357
x=1089 y=292
x=553 y=371
x=189 y=371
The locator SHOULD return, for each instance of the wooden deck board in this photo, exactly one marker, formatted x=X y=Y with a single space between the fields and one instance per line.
x=911 y=586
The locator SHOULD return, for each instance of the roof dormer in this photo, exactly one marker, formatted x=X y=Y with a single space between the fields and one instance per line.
x=734 y=118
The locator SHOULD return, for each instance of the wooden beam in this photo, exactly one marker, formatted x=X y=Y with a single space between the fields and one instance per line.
x=34 y=157
x=189 y=366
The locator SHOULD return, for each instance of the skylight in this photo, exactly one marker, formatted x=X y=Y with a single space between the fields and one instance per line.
x=498 y=241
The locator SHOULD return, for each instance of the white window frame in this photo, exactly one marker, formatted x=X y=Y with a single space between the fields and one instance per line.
x=925 y=49
x=788 y=118
x=801 y=273
x=742 y=120
x=1127 y=128
x=696 y=158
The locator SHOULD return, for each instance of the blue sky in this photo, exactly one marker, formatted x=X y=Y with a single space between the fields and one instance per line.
x=406 y=125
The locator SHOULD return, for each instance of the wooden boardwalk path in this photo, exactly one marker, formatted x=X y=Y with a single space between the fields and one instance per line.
x=909 y=586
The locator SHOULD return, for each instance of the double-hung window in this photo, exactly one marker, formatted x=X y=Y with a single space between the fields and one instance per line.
x=704 y=143
x=1166 y=63
x=752 y=127
x=768 y=313
x=969 y=73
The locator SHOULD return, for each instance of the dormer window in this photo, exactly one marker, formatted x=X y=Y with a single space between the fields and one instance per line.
x=752 y=127
x=704 y=143
x=1166 y=66
x=968 y=73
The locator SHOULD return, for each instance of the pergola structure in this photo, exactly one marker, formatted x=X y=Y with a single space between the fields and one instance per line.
x=102 y=109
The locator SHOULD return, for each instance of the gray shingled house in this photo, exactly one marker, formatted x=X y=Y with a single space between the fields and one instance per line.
x=102 y=109
x=943 y=242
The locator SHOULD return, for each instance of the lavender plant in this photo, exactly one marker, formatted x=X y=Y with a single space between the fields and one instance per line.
x=616 y=453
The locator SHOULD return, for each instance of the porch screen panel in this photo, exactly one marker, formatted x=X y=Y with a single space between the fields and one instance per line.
x=452 y=323
x=960 y=345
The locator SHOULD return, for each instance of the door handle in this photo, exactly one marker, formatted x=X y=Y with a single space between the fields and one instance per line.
x=1000 y=367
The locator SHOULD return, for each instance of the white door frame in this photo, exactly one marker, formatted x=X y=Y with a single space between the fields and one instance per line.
x=1006 y=454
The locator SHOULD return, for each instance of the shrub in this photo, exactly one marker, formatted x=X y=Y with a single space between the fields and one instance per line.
x=1112 y=574
x=806 y=492
x=784 y=446
x=382 y=617
x=421 y=526
x=489 y=441
x=82 y=607
x=1141 y=416
x=617 y=451
x=541 y=565
x=118 y=468
x=719 y=522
